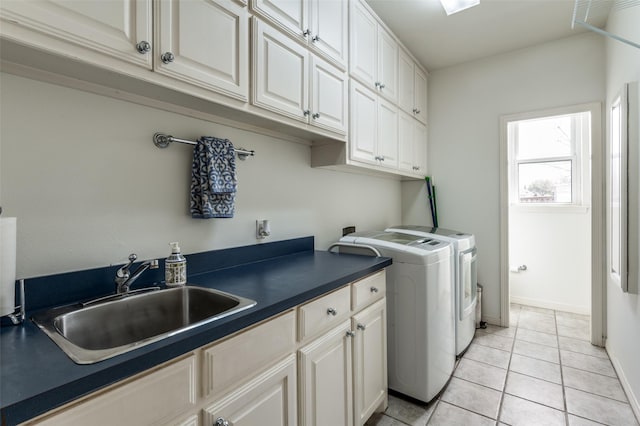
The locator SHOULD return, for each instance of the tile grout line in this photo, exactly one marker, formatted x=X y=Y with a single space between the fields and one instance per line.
x=564 y=394
x=506 y=379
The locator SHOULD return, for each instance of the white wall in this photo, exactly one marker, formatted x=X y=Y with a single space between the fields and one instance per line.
x=465 y=104
x=555 y=245
x=89 y=187
x=623 y=310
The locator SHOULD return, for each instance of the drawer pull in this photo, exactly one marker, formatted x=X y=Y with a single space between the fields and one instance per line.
x=143 y=47
x=361 y=327
x=332 y=311
x=350 y=333
x=167 y=57
x=222 y=422
x=374 y=289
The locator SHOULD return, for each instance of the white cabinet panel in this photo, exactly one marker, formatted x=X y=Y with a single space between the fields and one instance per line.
x=280 y=72
x=290 y=15
x=363 y=50
x=405 y=82
x=387 y=65
x=329 y=94
x=405 y=141
x=420 y=85
x=269 y=399
x=387 y=134
x=420 y=148
x=326 y=380
x=363 y=127
x=329 y=30
x=370 y=360
x=209 y=42
x=323 y=313
x=111 y=28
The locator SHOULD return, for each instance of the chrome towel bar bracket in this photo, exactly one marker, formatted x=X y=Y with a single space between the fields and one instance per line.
x=162 y=140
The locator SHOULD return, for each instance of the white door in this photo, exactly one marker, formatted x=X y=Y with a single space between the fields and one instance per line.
x=329 y=29
x=113 y=28
x=268 y=399
x=326 y=383
x=420 y=87
x=419 y=148
x=280 y=72
x=328 y=96
x=405 y=141
x=290 y=15
x=363 y=51
x=405 y=82
x=363 y=126
x=206 y=43
x=387 y=65
x=387 y=134
x=370 y=360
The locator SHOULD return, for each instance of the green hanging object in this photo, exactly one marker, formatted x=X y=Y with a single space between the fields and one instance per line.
x=431 y=194
x=435 y=208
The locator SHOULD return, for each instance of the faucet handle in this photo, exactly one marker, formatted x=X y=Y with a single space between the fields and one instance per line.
x=123 y=272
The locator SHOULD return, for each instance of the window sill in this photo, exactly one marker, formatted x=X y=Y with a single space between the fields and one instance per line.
x=561 y=208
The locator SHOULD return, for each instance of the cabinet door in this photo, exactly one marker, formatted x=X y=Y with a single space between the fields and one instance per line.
x=326 y=379
x=363 y=132
x=405 y=141
x=405 y=82
x=387 y=65
x=370 y=360
x=420 y=85
x=387 y=134
x=328 y=96
x=363 y=51
x=209 y=43
x=290 y=15
x=420 y=148
x=280 y=72
x=329 y=29
x=269 y=399
x=111 y=28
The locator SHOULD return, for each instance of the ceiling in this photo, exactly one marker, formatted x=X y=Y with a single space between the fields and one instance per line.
x=493 y=27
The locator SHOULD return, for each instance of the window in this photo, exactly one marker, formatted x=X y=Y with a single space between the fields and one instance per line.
x=546 y=159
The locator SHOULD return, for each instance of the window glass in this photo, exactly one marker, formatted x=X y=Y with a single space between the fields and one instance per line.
x=544 y=138
x=545 y=182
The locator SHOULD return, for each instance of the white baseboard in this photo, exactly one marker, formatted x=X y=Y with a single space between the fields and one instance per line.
x=492 y=321
x=584 y=310
x=633 y=400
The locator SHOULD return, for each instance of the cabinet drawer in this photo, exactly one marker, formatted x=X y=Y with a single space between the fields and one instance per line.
x=233 y=361
x=323 y=313
x=367 y=290
x=151 y=399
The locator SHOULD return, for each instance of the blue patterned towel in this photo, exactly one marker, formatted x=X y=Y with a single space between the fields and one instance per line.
x=213 y=178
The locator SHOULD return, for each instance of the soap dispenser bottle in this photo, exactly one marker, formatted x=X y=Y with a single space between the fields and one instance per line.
x=175 y=267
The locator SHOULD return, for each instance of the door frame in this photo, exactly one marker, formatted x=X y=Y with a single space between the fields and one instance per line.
x=598 y=283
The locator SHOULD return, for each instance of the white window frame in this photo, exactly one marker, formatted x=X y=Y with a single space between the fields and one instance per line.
x=579 y=128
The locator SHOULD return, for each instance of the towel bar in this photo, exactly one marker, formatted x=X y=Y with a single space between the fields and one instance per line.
x=162 y=140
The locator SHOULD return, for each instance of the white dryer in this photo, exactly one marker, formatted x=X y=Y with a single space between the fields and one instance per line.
x=465 y=276
x=420 y=311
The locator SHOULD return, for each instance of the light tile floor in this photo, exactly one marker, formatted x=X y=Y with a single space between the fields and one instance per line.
x=540 y=371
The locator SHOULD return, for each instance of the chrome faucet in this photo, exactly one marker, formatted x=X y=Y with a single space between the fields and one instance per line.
x=124 y=278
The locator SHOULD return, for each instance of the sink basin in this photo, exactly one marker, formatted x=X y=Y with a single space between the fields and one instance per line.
x=97 y=331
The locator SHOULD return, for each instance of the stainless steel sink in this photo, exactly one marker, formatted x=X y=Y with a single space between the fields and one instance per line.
x=97 y=331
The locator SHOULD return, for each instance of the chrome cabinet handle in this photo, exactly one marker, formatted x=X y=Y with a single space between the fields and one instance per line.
x=316 y=115
x=222 y=422
x=167 y=57
x=374 y=289
x=143 y=47
x=332 y=311
x=306 y=32
x=350 y=333
x=306 y=112
x=315 y=38
x=382 y=86
x=378 y=84
x=417 y=111
x=361 y=326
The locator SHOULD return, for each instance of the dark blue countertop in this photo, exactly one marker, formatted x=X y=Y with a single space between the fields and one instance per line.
x=36 y=376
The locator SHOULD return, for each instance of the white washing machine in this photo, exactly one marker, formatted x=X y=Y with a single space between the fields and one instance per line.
x=420 y=311
x=465 y=276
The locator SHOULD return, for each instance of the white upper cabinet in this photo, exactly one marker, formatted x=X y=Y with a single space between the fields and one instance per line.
x=116 y=28
x=322 y=24
x=387 y=134
x=206 y=43
x=285 y=73
x=280 y=73
x=412 y=136
x=373 y=53
x=412 y=87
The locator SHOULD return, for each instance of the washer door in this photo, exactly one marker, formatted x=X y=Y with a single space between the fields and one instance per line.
x=468 y=294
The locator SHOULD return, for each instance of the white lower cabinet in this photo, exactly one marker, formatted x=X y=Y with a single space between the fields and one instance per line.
x=323 y=363
x=269 y=399
x=326 y=389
